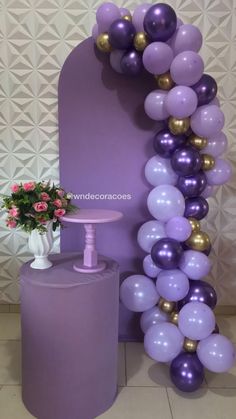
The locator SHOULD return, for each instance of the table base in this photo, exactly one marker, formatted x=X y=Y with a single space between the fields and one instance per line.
x=80 y=267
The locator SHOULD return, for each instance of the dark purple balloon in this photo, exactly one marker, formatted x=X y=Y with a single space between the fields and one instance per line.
x=197 y=207
x=121 y=34
x=166 y=253
x=160 y=22
x=165 y=143
x=206 y=89
x=192 y=186
x=131 y=63
x=199 y=291
x=186 y=161
x=187 y=372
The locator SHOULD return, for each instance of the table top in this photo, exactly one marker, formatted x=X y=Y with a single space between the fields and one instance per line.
x=92 y=216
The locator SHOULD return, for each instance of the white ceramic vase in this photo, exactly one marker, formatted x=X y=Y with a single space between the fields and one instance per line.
x=40 y=245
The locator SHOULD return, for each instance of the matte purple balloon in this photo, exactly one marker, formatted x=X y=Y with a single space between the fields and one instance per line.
x=200 y=291
x=216 y=353
x=186 y=38
x=138 y=293
x=150 y=268
x=131 y=63
x=124 y=12
x=160 y=22
x=149 y=233
x=165 y=143
x=208 y=191
x=206 y=89
x=207 y=121
x=163 y=342
x=158 y=171
x=157 y=57
x=173 y=285
x=187 y=372
x=181 y=102
x=196 y=207
x=121 y=34
x=154 y=105
x=187 y=68
x=165 y=202
x=115 y=60
x=151 y=317
x=106 y=14
x=220 y=173
x=216 y=145
x=95 y=32
x=186 y=161
x=166 y=253
x=178 y=228
x=196 y=321
x=138 y=16
x=192 y=186
x=195 y=264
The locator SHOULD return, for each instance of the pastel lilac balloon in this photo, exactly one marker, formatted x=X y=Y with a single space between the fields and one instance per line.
x=121 y=34
x=186 y=161
x=154 y=105
x=216 y=353
x=196 y=207
x=195 y=264
x=106 y=14
x=163 y=342
x=173 y=285
x=196 y=321
x=95 y=32
x=165 y=202
x=138 y=16
x=187 y=372
x=157 y=57
x=207 y=121
x=200 y=291
x=131 y=63
x=166 y=253
x=220 y=173
x=150 y=268
x=181 y=102
x=192 y=186
x=151 y=317
x=178 y=228
x=124 y=12
x=165 y=143
x=138 y=293
x=160 y=22
x=158 y=171
x=187 y=68
x=149 y=233
x=115 y=59
x=208 y=191
x=216 y=145
x=206 y=89
x=186 y=38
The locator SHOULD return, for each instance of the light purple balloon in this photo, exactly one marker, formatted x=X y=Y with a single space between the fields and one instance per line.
x=165 y=202
x=181 y=101
x=186 y=38
x=173 y=285
x=196 y=320
x=157 y=57
x=154 y=105
x=195 y=264
x=220 y=174
x=216 y=145
x=163 y=342
x=151 y=317
x=178 y=228
x=187 y=68
x=179 y=23
x=208 y=191
x=149 y=233
x=95 y=32
x=138 y=293
x=138 y=16
x=115 y=60
x=216 y=353
x=150 y=268
x=124 y=12
x=158 y=171
x=106 y=14
x=215 y=101
x=207 y=121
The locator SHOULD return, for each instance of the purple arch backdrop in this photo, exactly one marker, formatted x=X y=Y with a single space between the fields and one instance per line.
x=105 y=139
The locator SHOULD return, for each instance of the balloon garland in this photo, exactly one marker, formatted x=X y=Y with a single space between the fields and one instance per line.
x=178 y=319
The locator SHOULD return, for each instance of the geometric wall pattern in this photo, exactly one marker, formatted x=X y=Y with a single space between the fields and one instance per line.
x=35 y=38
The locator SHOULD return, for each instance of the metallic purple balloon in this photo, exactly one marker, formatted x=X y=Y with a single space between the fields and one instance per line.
x=165 y=143
x=121 y=34
x=166 y=253
x=196 y=207
x=206 y=89
x=186 y=161
x=160 y=22
x=131 y=63
x=187 y=372
x=192 y=186
x=200 y=291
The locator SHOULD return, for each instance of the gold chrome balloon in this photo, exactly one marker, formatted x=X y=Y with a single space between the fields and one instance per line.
x=127 y=17
x=140 y=41
x=190 y=345
x=198 y=240
x=195 y=224
x=103 y=43
x=178 y=126
x=198 y=142
x=174 y=317
x=164 y=81
x=166 y=306
x=208 y=162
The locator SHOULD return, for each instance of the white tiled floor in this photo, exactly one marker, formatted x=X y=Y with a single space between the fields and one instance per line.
x=145 y=390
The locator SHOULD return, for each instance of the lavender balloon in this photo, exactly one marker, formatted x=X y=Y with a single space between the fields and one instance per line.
x=165 y=143
x=150 y=268
x=207 y=121
x=151 y=317
x=166 y=253
x=196 y=321
x=115 y=60
x=138 y=293
x=178 y=228
x=196 y=207
x=138 y=16
x=106 y=14
x=187 y=68
x=202 y=292
x=149 y=233
x=216 y=353
x=192 y=186
x=158 y=171
x=206 y=89
x=151 y=57
x=125 y=12
x=186 y=38
x=165 y=202
x=187 y=372
x=154 y=105
x=163 y=342
x=121 y=34
x=95 y=32
x=220 y=173
x=131 y=63
x=208 y=191
x=173 y=285
x=216 y=145
x=186 y=161
x=160 y=22
x=195 y=264
x=181 y=102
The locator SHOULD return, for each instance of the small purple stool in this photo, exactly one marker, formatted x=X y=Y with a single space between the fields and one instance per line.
x=69 y=339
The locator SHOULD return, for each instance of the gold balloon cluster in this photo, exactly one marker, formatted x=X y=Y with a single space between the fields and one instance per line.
x=195 y=224
x=166 y=306
x=199 y=240
x=103 y=43
x=164 y=81
x=190 y=345
x=198 y=142
x=208 y=162
x=178 y=126
x=140 y=41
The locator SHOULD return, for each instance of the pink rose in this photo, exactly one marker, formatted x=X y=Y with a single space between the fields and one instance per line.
x=29 y=186
x=14 y=212
x=40 y=206
x=15 y=188
x=59 y=212
x=44 y=196
x=57 y=203
x=11 y=223
x=60 y=192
